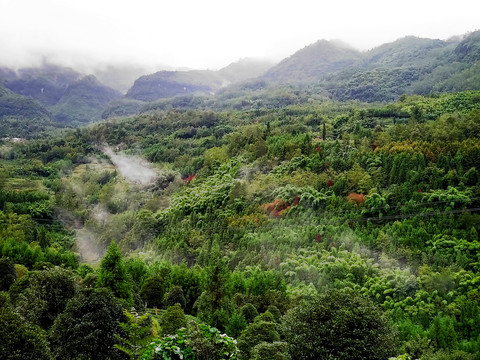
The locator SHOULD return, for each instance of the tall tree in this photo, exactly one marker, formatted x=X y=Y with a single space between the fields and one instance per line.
x=113 y=274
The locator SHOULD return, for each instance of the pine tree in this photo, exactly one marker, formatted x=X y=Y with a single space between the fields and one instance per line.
x=113 y=275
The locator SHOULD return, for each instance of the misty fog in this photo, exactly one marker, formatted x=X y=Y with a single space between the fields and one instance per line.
x=133 y=168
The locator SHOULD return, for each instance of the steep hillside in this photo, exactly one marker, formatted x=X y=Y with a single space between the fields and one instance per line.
x=47 y=83
x=21 y=116
x=352 y=228
x=165 y=84
x=83 y=101
x=313 y=63
x=71 y=97
x=468 y=49
x=410 y=66
x=409 y=51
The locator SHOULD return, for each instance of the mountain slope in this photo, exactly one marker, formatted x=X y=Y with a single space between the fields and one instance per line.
x=313 y=62
x=410 y=65
x=83 y=101
x=21 y=116
x=70 y=97
x=166 y=84
x=46 y=84
x=409 y=51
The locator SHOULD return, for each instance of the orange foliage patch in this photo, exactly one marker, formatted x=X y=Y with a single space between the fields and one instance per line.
x=276 y=207
x=356 y=198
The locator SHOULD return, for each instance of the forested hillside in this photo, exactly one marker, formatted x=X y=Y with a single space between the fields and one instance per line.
x=49 y=97
x=22 y=116
x=311 y=230
x=409 y=65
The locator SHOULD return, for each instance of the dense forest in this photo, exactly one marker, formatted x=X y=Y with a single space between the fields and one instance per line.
x=315 y=230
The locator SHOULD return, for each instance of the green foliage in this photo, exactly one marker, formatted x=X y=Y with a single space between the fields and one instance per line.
x=340 y=325
x=22 y=116
x=212 y=242
x=138 y=329
x=256 y=333
x=271 y=351
x=236 y=325
x=113 y=275
x=175 y=296
x=172 y=319
x=7 y=274
x=87 y=327
x=45 y=296
x=153 y=291
x=20 y=339
x=198 y=341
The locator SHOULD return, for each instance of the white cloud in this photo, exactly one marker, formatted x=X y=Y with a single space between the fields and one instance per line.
x=212 y=33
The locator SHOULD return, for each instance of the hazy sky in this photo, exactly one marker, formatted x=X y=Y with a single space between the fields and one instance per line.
x=213 y=33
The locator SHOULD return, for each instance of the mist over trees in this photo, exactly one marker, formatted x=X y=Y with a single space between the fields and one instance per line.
x=275 y=222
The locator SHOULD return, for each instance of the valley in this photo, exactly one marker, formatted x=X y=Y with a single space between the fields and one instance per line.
x=323 y=207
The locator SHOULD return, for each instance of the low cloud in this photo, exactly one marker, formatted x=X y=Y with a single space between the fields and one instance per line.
x=133 y=168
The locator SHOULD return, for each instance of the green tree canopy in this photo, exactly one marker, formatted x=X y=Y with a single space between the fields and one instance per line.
x=113 y=275
x=87 y=327
x=339 y=325
x=19 y=340
x=7 y=273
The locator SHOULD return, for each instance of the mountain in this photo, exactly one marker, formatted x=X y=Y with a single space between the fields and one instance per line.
x=409 y=51
x=120 y=77
x=409 y=65
x=46 y=84
x=21 y=116
x=469 y=48
x=83 y=101
x=245 y=69
x=313 y=63
x=68 y=97
x=166 y=84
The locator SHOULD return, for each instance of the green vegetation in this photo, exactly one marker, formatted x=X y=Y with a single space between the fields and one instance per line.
x=316 y=230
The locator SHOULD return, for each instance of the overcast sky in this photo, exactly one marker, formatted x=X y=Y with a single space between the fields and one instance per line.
x=213 y=33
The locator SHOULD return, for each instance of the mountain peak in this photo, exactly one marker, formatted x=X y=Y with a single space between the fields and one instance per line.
x=314 y=62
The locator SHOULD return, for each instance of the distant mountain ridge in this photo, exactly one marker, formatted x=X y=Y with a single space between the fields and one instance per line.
x=65 y=96
x=313 y=63
x=408 y=65
x=166 y=84
x=32 y=99
x=21 y=116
